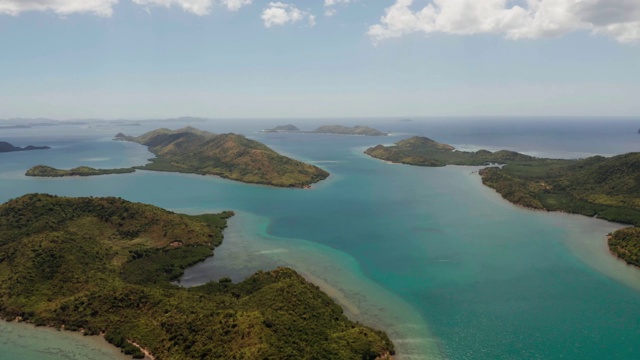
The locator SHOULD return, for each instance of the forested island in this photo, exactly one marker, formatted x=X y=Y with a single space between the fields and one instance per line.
x=283 y=128
x=6 y=147
x=230 y=156
x=607 y=188
x=193 y=151
x=106 y=265
x=47 y=171
x=331 y=129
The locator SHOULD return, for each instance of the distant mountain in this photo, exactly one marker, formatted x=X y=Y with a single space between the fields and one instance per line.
x=283 y=128
x=231 y=156
x=6 y=147
x=344 y=130
x=15 y=126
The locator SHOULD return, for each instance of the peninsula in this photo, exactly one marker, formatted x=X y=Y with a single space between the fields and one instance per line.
x=601 y=187
x=47 y=171
x=231 y=156
x=6 y=147
x=105 y=266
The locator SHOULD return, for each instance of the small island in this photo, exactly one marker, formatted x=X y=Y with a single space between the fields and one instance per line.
x=47 y=171
x=282 y=128
x=607 y=188
x=330 y=129
x=106 y=266
x=344 y=130
x=6 y=147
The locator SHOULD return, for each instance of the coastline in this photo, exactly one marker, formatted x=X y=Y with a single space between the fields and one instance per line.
x=29 y=342
x=248 y=245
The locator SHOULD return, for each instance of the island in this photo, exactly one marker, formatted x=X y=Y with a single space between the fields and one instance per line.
x=344 y=130
x=597 y=186
x=193 y=151
x=282 y=128
x=330 y=129
x=47 y=171
x=6 y=147
x=231 y=156
x=105 y=266
x=15 y=127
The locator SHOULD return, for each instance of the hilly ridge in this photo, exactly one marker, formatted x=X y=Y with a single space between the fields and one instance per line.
x=104 y=265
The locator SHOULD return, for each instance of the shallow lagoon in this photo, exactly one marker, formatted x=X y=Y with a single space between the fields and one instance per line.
x=442 y=263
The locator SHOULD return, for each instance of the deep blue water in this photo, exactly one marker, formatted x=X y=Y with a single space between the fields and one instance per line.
x=429 y=254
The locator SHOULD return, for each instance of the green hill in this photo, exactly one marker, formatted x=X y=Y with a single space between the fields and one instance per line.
x=607 y=188
x=422 y=151
x=6 y=147
x=230 y=156
x=104 y=265
x=47 y=171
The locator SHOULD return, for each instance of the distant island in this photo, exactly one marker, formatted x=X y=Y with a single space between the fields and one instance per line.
x=106 y=266
x=6 y=147
x=606 y=188
x=283 y=128
x=47 y=171
x=15 y=127
x=331 y=129
x=231 y=156
x=344 y=130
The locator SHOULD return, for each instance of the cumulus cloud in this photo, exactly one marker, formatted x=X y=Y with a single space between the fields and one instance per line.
x=235 y=5
x=105 y=7
x=198 y=7
x=278 y=14
x=329 y=5
x=514 y=19
x=62 y=7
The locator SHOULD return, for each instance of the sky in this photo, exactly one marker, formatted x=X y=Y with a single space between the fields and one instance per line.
x=139 y=59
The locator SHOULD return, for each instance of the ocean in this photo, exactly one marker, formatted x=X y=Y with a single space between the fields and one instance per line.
x=443 y=264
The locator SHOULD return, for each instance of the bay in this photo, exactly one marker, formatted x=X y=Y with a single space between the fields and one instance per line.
x=430 y=255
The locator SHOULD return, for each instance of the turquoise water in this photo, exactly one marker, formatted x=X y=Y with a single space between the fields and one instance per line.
x=442 y=263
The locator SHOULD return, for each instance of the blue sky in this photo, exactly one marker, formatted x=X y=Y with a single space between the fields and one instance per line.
x=241 y=58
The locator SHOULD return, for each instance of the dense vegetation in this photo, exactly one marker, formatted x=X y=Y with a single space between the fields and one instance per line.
x=626 y=244
x=47 y=171
x=231 y=156
x=6 y=147
x=423 y=151
x=104 y=265
x=607 y=188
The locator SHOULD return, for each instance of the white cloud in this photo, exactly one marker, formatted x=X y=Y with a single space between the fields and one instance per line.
x=234 y=5
x=105 y=7
x=281 y=14
x=329 y=5
x=62 y=7
x=198 y=7
x=515 y=19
